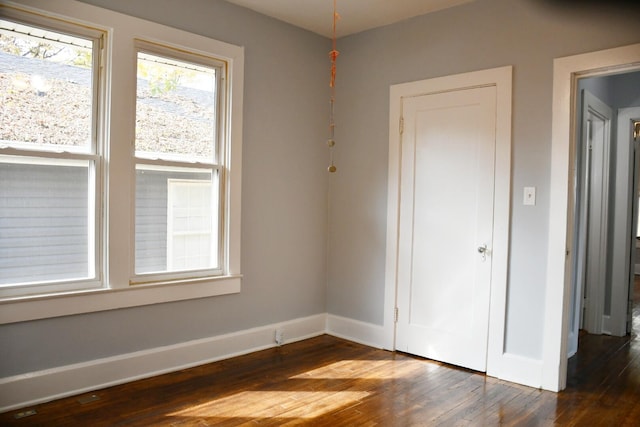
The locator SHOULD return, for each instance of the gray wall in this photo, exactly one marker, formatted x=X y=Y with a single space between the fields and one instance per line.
x=617 y=91
x=527 y=34
x=626 y=89
x=284 y=199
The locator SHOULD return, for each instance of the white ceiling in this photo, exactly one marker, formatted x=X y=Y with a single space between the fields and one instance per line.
x=355 y=15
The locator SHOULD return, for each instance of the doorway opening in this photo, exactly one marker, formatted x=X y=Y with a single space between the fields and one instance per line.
x=604 y=284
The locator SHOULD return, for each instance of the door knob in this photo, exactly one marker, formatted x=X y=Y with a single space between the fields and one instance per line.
x=482 y=250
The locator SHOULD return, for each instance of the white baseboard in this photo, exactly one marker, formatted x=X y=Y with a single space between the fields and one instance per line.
x=521 y=370
x=356 y=331
x=42 y=386
x=32 y=388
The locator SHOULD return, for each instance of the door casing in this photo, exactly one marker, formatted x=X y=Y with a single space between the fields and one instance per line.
x=566 y=72
x=502 y=79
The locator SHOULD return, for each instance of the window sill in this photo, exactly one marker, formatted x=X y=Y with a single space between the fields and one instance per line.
x=21 y=309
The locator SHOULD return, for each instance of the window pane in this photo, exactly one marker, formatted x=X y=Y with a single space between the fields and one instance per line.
x=176 y=220
x=175 y=110
x=45 y=89
x=45 y=223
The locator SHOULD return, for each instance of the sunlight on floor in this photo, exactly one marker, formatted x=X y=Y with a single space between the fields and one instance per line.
x=369 y=369
x=274 y=404
x=312 y=393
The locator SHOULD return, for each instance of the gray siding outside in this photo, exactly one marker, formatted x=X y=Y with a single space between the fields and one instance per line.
x=151 y=221
x=43 y=223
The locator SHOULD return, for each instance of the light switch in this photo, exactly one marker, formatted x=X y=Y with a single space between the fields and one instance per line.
x=529 y=196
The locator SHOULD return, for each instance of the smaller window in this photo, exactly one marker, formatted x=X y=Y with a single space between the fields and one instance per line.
x=191 y=230
x=178 y=175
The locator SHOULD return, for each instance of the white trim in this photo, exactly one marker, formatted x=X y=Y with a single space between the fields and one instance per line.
x=356 y=331
x=502 y=79
x=521 y=370
x=558 y=284
x=37 y=387
x=56 y=305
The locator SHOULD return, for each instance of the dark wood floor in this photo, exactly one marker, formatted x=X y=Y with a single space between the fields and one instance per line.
x=328 y=381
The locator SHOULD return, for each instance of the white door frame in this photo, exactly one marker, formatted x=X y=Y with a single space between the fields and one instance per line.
x=501 y=78
x=566 y=71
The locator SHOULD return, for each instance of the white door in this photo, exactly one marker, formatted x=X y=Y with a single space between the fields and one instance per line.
x=595 y=215
x=591 y=230
x=446 y=220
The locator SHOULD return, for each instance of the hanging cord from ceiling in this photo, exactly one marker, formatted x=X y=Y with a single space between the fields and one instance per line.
x=333 y=55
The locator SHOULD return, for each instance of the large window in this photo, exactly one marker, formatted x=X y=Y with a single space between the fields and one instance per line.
x=120 y=161
x=50 y=160
x=177 y=165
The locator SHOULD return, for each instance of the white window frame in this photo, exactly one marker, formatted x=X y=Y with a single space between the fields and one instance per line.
x=118 y=125
x=44 y=155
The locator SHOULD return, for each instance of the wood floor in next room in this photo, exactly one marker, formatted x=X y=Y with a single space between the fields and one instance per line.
x=332 y=382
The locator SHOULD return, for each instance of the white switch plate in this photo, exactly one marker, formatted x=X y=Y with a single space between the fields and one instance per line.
x=529 y=196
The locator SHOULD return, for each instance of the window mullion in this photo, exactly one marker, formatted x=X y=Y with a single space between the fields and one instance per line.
x=9 y=151
x=176 y=164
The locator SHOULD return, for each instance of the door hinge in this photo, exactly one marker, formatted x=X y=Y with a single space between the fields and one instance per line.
x=395 y=315
x=401 y=125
